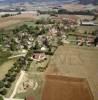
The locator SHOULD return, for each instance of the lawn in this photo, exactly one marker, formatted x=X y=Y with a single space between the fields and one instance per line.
x=5 y=67
x=3 y=56
x=74 y=61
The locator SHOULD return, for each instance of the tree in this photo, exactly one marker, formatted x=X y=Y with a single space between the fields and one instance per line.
x=60 y=42
x=85 y=32
x=1 y=84
x=11 y=79
x=4 y=91
x=36 y=45
x=93 y=33
x=7 y=84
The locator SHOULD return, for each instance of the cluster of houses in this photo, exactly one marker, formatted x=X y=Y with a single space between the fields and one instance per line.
x=56 y=32
x=19 y=42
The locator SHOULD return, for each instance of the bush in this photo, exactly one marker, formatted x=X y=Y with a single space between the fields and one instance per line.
x=7 y=84
x=4 y=91
x=8 y=75
x=49 y=53
x=17 y=70
x=1 y=84
x=6 y=15
x=11 y=79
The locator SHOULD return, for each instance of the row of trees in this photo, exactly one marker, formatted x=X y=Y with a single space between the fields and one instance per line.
x=91 y=33
x=45 y=21
x=64 y=11
x=10 y=77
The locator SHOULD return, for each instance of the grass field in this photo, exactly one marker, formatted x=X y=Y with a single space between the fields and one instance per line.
x=3 y=56
x=76 y=61
x=5 y=67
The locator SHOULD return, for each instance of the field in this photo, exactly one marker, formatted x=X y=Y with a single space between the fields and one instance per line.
x=76 y=61
x=66 y=88
x=89 y=29
x=5 y=67
x=13 y=20
x=36 y=93
x=3 y=56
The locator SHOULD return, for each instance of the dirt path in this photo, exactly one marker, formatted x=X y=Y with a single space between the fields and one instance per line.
x=17 y=84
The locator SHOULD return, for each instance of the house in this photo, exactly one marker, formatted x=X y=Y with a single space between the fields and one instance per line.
x=38 y=57
x=43 y=49
x=87 y=23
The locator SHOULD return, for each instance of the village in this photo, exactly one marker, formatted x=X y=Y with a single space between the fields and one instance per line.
x=33 y=45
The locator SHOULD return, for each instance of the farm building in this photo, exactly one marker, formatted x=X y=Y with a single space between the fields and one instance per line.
x=38 y=57
x=87 y=23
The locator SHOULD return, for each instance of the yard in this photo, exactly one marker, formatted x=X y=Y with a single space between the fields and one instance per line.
x=74 y=61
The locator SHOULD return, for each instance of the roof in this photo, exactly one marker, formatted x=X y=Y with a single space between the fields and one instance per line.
x=66 y=88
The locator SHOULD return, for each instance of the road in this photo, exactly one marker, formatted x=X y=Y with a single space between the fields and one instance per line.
x=17 y=84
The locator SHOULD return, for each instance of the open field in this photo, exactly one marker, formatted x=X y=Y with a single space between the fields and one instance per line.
x=89 y=29
x=66 y=88
x=32 y=91
x=4 y=56
x=76 y=61
x=5 y=67
x=13 y=20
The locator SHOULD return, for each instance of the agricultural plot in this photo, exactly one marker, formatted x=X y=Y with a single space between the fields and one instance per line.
x=13 y=20
x=89 y=29
x=66 y=88
x=76 y=61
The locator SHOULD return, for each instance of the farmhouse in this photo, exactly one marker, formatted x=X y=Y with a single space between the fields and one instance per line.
x=38 y=57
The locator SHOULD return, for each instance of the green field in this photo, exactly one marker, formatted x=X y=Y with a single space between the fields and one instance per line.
x=5 y=67
x=3 y=56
